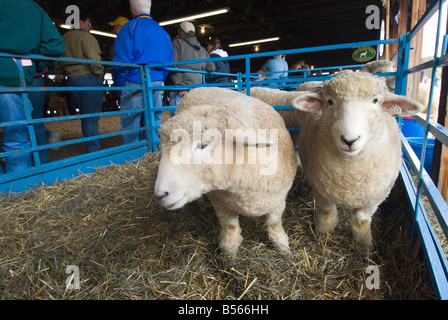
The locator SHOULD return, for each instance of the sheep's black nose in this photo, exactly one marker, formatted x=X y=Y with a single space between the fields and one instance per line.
x=348 y=142
x=161 y=196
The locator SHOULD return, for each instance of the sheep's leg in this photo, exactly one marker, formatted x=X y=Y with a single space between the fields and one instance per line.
x=361 y=230
x=230 y=236
x=275 y=230
x=326 y=216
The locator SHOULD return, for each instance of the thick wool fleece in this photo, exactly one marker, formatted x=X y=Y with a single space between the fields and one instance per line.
x=365 y=179
x=275 y=97
x=233 y=188
x=238 y=186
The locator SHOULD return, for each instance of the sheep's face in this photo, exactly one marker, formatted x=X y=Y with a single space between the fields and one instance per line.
x=198 y=152
x=351 y=123
x=353 y=108
x=176 y=185
x=183 y=164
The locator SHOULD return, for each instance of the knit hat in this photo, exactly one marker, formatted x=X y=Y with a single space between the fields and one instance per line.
x=187 y=27
x=119 y=21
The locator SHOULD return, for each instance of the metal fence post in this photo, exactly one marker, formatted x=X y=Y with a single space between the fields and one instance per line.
x=28 y=110
x=148 y=114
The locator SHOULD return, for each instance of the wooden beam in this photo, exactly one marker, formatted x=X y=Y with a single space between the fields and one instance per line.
x=403 y=18
x=402 y=26
x=415 y=56
x=387 y=31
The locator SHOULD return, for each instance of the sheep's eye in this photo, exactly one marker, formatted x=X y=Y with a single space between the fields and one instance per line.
x=201 y=145
x=330 y=102
x=375 y=100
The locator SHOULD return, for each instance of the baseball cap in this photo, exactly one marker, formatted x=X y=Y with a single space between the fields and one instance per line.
x=187 y=27
x=119 y=21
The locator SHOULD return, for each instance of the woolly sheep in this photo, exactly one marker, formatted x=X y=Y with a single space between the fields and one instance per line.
x=379 y=66
x=213 y=132
x=275 y=97
x=309 y=86
x=350 y=147
x=376 y=66
x=423 y=89
x=423 y=97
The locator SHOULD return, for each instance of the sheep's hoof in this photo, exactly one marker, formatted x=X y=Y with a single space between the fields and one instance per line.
x=230 y=248
x=284 y=249
x=364 y=243
x=326 y=223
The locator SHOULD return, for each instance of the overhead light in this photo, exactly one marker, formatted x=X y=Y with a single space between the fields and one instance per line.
x=253 y=42
x=257 y=48
x=100 y=33
x=105 y=34
x=64 y=26
x=196 y=16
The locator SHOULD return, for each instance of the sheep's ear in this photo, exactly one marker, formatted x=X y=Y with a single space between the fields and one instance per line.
x=308 y=102
x=250 y=138
x=397 y=105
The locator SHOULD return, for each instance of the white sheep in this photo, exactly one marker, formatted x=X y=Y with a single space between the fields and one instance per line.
x=309 y=86
x=275 y=97
x=350 y=147
x=237 y=151
x=379 y=66
x=424 y=89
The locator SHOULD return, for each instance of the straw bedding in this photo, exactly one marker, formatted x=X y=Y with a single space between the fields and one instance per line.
x=126 y=246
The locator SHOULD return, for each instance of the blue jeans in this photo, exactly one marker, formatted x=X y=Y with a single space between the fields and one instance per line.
x=88 y=102
x=175 y=98
x=37 y=100
x=12 y=108
x=133 y=99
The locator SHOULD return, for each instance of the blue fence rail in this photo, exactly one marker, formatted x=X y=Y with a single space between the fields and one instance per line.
x=68 y=168
x=434 y=253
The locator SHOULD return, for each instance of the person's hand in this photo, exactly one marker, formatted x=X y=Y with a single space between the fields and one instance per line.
x=182 y=92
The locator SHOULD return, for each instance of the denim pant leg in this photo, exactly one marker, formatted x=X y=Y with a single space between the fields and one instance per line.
x=158 y=101
x=88 y=102
x=37 y=100
x=16 y=137
x=174 y=100
x=131 y=100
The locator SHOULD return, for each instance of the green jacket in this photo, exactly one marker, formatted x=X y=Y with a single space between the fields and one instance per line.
x=25 y=28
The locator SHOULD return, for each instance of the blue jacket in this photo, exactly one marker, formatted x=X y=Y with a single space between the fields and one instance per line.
x=141 y=41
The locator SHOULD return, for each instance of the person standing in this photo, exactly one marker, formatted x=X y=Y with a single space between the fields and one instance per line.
x=214 y=48
x=141 y=41
x=278 y=66
x=118 y=23
x=79 y=43
x=26 y=29
x=187 y=47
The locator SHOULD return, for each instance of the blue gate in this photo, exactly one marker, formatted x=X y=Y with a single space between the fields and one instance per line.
x=68 y=168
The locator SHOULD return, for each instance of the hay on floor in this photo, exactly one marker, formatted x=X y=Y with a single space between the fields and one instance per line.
x=110 y=226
